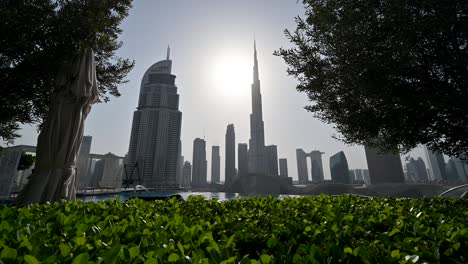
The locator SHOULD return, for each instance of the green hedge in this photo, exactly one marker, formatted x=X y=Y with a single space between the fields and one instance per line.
x=318 y=229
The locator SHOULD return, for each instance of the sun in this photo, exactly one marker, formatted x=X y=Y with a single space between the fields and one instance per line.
x=232 y=75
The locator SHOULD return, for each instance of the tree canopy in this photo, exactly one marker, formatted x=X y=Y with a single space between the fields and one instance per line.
x=40 y=37
x=26 y=161
x=385 y=73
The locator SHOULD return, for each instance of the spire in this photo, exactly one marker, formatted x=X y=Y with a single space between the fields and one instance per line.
x=255 y=69
x=168 y=52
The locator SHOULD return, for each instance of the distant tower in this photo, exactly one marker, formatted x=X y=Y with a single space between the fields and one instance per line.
x=271 y=160
x=384 y=168
x=316 y=168
x=242 y=159
x=187 y=174
x=215 y=164
x=257 y=135
x=83 y=163
x=283 y=165
x=302 y=173
x=199 y=163
x=230 y=168
x=155 y=134
x=339 y=168
x=180 y=165
x=436 y=164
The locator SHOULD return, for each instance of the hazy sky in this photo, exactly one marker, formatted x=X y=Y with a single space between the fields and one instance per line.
x=212 y=52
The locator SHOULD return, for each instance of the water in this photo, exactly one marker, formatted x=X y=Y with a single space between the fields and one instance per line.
x=221 y=196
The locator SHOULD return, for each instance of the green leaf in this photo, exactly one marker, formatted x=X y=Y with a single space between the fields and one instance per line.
x=31 y=259
x=64 y=249
x=80 y=241
x=81 y=259
x=173 y=257
x=8 y=253
x=348 y=250
x=395 y=254
x=265 y=258
x=134 y=252
x=151 y=261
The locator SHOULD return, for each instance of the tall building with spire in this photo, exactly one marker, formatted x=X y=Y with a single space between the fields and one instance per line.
x=155 y=134
x=257 y=135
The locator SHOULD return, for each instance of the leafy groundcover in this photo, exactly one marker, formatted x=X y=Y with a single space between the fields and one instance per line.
x=318 y=229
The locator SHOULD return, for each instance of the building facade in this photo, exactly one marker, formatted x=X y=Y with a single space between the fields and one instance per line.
x=155 y=134
x=384 y=167
x=283 y=165
x=436 y=164
x=187 y=174
x=215 y=165
x=271 y=160
x=83 y=163
x=242 y=159
x=199 y=163
x=230 y=167
x=339 y=168
x=316 y=166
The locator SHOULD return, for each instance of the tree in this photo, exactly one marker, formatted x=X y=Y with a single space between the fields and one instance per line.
x=42 y=36
x=385 y=73
x=26 y=161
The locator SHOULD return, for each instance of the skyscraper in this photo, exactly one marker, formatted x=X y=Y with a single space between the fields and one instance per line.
x=271 y=160
x=180 y=164
x=230 y=168
x=83 y=163
x=187 y=174
x=215 y=164
x=242 y=159
x=155 y=133
x=283 y=165
x=384 y=167
x=416 y=170
x=436 y=164
x=199 y=163
x=257 y=136
x=316 y=166
x=339 y=168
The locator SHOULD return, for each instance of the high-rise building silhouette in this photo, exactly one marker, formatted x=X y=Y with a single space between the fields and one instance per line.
x=436 y=164
x=215 y=165
x=242 y=160
x=180 y=165
x=271 y=160
x=283 y=166
x=384 y=167
x=155 y=133
x=257 y=135
x=199 y=163
x=230 y=167
x=187 y=174
x=462 y=169
x=83 y=163
x=339 y=168
x=316 y=166
x=416 y=170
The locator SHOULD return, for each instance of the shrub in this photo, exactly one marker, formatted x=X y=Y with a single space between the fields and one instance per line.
x=318 y=229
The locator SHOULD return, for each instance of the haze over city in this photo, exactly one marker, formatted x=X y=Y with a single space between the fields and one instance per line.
x=212 y=53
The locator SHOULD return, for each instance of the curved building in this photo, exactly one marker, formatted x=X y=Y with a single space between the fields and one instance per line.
x=155 y=134
x=339 y=168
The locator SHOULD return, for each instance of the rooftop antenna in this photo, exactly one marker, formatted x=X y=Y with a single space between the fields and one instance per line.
x=168 y=52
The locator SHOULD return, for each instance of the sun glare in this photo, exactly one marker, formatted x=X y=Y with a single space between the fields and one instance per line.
x=232 y=75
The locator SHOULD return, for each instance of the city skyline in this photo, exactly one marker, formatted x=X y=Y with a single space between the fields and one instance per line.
x=287 y=124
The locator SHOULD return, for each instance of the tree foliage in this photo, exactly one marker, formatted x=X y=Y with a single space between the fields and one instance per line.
x=385 y=73
x=42 y=36
x=26 y=161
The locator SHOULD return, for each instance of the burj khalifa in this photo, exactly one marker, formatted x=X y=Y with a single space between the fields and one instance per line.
x=257 y=136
